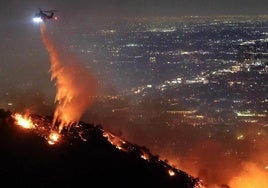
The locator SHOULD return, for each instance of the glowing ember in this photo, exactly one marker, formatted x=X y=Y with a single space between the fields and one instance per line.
x=171 y=172
x=53 y=138
x=240 y=137
x=114 y=140
x=199 y=184
x=23 y=121
x=144 y=157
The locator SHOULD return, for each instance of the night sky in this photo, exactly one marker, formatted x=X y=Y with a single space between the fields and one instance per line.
x=15 y=9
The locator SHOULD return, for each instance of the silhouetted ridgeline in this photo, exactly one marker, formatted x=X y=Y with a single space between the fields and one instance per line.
x=83 y=156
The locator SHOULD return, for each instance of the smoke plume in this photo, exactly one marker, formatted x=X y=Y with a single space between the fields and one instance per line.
x=75 y=86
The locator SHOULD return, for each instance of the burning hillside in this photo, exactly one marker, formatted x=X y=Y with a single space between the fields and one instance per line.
x=34 y=154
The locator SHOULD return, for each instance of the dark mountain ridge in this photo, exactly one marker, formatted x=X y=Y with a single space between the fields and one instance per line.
x=86 y=155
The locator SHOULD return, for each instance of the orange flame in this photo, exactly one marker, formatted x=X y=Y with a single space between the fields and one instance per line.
x=76 y=87
x=23 y=121
x=53 y=138
x=144 y=156
x=116 y=141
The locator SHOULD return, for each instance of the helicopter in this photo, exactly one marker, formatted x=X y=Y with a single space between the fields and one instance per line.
x=44 y=15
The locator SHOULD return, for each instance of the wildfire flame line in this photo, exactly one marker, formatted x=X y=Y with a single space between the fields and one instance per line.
x=54 y=137
x=26 y=122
